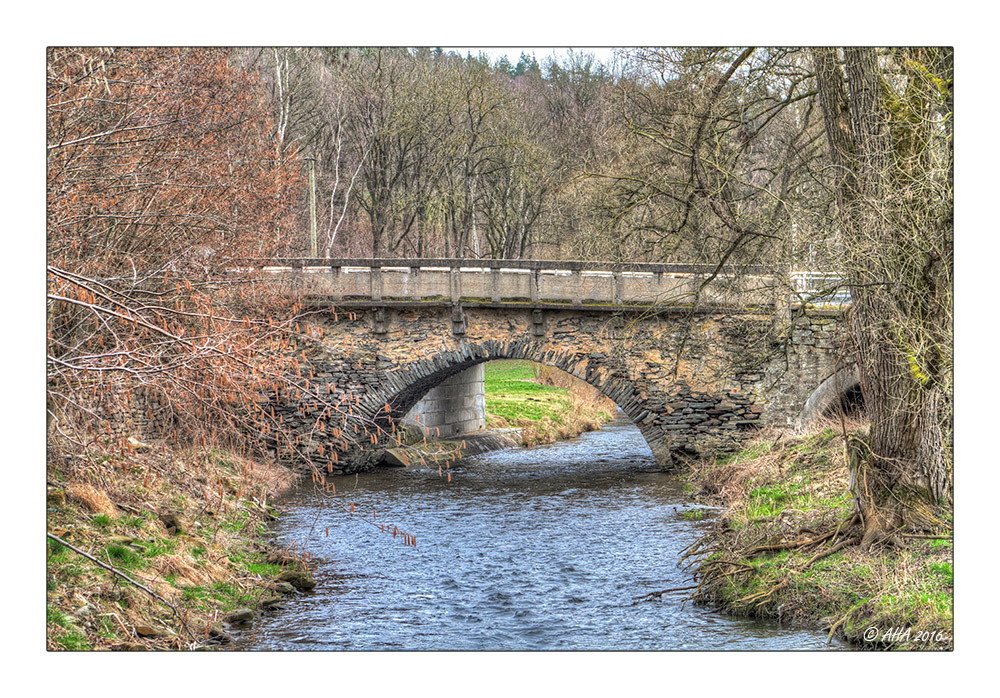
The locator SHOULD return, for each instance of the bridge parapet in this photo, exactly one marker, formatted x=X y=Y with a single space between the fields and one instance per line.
x=499 y=282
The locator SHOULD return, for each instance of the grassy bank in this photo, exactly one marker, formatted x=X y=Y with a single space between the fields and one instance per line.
x=187 y=526
x=545 y=404
x=779 y=551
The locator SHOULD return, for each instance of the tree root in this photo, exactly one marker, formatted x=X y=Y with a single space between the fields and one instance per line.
x=762 y=597
x=657 y=594
x=833 y=628
x=819 y=556
x=793 y=545
x=799 y=544
x=721 y=559
x=714 y=571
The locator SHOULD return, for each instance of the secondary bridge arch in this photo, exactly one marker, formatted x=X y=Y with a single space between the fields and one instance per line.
x=838 y=393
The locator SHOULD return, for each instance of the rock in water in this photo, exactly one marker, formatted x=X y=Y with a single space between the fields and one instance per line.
x=241 y=616
x=298 y=579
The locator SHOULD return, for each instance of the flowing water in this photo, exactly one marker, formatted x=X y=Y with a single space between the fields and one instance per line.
x=544 y=548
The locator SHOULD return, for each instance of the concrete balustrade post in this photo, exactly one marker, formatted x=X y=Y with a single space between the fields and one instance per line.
x=495 y=284
x=455 y=284
x=413 y=283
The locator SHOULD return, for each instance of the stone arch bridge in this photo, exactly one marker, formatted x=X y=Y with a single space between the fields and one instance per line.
x=695 y=366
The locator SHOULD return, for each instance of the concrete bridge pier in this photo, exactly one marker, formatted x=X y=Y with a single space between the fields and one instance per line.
x=456 y=406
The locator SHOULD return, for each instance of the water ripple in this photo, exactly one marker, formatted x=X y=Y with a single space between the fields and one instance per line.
x=542 y=548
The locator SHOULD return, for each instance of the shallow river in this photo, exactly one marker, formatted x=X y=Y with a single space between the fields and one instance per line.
x=527 y=549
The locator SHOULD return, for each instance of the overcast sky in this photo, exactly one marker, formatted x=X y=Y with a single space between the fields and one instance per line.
x=513 y=53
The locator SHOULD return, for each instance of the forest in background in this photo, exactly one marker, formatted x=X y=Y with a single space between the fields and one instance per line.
x=426 y=153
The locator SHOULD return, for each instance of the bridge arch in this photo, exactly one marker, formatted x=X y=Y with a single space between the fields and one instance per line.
x=840 y=392
x=403 y=388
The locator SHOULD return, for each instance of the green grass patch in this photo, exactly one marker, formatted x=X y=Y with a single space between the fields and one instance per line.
x=195 y=593
x=135 y=521
x=56 y=617
x=264 y=569
x=74 y=642
x=512 y=394
x=545 y=403
x=508 y=370
x=123 y=556
x=236 y=521
x=160 y=546
x=772 y=500
x=252 y=562
x=57 y=550
x=224 y=594
x=768 y=501
x=944 y=570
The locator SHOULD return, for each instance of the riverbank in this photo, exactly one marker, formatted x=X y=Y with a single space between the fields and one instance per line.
x=777 y=550
x=188 y=526
x=545 y=404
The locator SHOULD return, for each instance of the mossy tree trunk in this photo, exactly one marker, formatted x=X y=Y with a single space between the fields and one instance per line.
x=888 y=120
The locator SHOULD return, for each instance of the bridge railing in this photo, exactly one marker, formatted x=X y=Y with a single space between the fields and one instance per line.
x=539 y=282
x=822 y=288
x=503 y=281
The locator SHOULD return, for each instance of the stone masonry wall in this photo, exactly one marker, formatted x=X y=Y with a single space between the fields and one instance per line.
x=374 y=366
x=815 y=352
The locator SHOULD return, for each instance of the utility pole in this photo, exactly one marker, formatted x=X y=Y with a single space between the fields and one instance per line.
x=313 y=245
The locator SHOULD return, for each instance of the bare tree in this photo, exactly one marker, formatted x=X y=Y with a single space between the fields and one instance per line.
x=888 y=120
x=162 y=179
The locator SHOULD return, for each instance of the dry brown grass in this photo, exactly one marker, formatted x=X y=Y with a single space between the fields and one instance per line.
x=767 y=459
x=181 y=566
x=94 y=500
x=583 y=393
x=203 y=570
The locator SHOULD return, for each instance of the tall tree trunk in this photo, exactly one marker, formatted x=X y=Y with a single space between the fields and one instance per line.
x=378 y=233
x=905 y=464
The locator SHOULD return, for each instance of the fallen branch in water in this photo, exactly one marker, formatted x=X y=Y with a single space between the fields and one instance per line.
x=655 y=594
